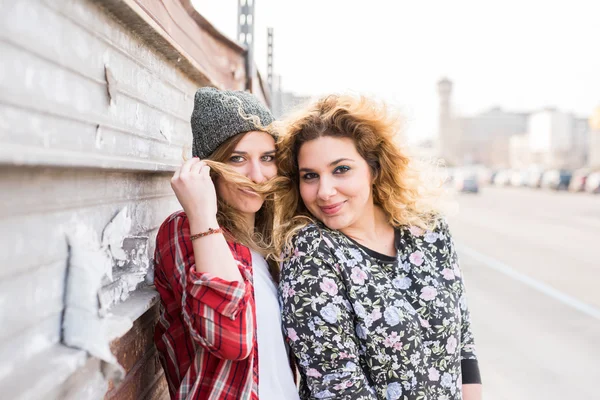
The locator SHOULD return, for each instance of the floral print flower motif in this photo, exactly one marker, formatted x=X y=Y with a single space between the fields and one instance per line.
x=470 y=348
x=434 y=374
x=415 y=359
x=405 y=266
x=456 y=270
x=356 y=254
x=392 y=340
x=394 y=391
x=446 y=380
x=417 y=258
x=343 y=385
x=360 y=332
x=392 y=316
x=292 y=335
x=448 y=274
x=359 y=309
x=325 y=394
x=339 y=253
x=462 y=303
x=428 y=293
x=416 y=231
x=330 y=313
x=287 y=291
x=451 y=345
x=403 y=282
x=430 y=237
x=358 y=276
x=328 y=286
x=376 y=314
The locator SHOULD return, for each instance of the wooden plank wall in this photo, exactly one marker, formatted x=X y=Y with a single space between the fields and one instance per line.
x=95 y=99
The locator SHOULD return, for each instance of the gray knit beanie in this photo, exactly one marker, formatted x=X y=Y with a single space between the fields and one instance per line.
x=219 y=115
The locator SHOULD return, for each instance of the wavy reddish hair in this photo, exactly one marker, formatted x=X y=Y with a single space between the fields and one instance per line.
x=403 y=184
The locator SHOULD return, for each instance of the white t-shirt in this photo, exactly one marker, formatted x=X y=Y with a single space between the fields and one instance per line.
x=275 y=380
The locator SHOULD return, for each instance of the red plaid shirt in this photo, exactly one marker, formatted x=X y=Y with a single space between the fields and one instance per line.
x=206 y=333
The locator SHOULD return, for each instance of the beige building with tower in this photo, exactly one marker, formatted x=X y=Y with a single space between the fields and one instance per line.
x=480 y=139
x=448 y=136
x=548 y=138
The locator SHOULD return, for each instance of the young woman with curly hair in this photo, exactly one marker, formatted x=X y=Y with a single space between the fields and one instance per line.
x=374 y=305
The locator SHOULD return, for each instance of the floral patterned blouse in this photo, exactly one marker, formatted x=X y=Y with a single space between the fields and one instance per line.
x=364 y=325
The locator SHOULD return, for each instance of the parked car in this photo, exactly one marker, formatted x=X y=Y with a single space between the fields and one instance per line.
x=482 y=173
x=592 y=183
x=485 y=176
x=518 y=178
x=556 y=179
x=502 y=178
x=466 y=183
x=534 y=178
x=578 y=180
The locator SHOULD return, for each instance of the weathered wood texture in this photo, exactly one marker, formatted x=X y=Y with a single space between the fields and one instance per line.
x=137 y=354
x=95 y=99
x=186 y=38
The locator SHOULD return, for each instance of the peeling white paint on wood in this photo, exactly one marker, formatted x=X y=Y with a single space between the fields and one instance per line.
x=118 y=262
x=112 y=237
x=89 y=264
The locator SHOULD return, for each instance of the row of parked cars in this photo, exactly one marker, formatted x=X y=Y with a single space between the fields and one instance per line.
x=580 y=180
x=469 y=180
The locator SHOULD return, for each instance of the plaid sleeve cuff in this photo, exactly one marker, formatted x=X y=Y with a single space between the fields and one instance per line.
x=225 y=297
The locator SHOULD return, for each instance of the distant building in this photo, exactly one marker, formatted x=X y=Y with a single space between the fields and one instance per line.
x=548 y=138
x=594 y=139
x=285 y=101
x=581 y=141
x=480 y=139
x=448 y=135
x=519 y=156
x=557 y=139
x=485 y=137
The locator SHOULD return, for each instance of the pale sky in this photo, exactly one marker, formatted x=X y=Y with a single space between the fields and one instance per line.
x=520 y=55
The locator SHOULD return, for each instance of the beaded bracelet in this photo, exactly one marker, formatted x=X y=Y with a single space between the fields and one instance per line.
x=210 y=231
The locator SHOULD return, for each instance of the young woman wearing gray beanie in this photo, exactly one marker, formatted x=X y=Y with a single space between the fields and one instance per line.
x=219 y=333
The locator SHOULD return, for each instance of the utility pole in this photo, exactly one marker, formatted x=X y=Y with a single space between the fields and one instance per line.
x=246 y=36
x=270 y=65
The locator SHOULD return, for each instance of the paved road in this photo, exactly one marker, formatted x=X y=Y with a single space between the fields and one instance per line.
x=533 y=278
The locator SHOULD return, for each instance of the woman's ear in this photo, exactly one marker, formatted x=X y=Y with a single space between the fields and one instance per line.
x=374 y=174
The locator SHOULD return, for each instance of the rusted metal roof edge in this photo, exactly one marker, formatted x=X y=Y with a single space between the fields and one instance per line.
x=209 y=28
x=135 y=18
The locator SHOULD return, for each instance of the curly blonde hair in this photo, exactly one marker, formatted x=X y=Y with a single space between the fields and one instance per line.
x=407 y=189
